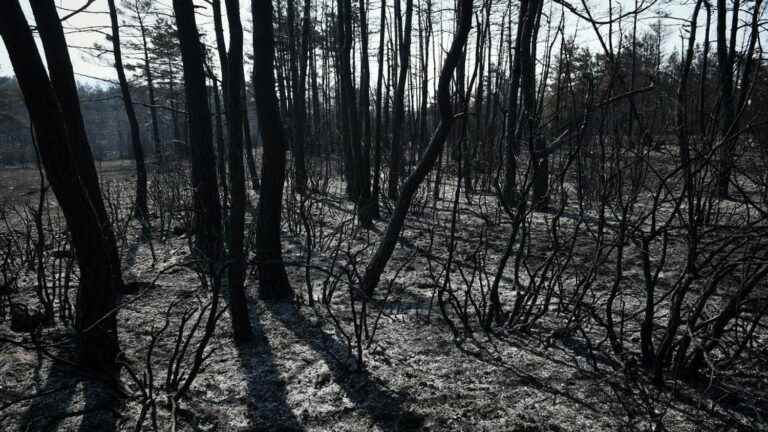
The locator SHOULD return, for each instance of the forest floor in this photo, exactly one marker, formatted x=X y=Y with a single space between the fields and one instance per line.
x=298 y=373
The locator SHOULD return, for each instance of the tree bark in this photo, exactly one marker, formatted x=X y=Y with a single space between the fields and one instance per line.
x=273 y=280
x=727 y=109
x=207 y=208
x=299 y=77
x=365 y=206
x=379 y=115
x=141 y=210
x=388 y=241
x=150 y=89
x=66 y=156
x=250 y=157
x=538 y=156
x=396 y=154
x=238 y=307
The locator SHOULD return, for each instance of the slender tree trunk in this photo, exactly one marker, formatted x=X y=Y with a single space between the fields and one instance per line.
x=375 y=213
x=174 y=111
x=396 y=154
x=250 y=157
x=366 y=203
x=512 y=148
x=539 y=159
x=150 y=89
x=345 y=90
x=221 y=146
x=747 y=75
x=727 y=103
x=299 y=77
x=424 y=109
x=138 y=152
x=389 y=239
x=238 y=307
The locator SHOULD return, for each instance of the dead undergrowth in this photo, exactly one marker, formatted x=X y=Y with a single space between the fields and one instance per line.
x=301 y=371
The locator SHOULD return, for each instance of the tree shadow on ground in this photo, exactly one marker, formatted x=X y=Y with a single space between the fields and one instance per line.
x=634 y=394
x=57 y=393
x=67 y=395
x=368 y=393
x=267 y=395
x=100 y=406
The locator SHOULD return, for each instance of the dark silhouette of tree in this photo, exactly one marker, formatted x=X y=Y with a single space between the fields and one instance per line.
x=396 y=151
x=142 y=212
x=386 y=245
x=273 y=280
x=238 y=307
x=139 y=13
x=725 y=59
x=207 y=208
x=298 y=72
x=379 y=132
x=366 y=207
x=66 y=156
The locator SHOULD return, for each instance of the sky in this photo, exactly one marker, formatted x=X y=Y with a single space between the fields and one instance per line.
x=92 y=70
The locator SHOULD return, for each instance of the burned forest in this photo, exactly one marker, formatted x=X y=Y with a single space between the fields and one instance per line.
x=383 y=215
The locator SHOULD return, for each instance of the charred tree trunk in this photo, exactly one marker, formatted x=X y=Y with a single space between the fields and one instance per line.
x=273 y=280
x=238 y=307
x=150 y=89
x=138 y=152
x=375 y=213
x=250 y=149
x=356 y=160
x=365 y=202
x=388 y=241
x=299 y=77
x=396 y=154
x=221 y=147
x=727 y=102
x=538 y=156
x=64 y=151
x=207 y=208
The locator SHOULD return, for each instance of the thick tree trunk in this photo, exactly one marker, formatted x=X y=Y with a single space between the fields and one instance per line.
x=273 y=280
x=207 y=209
x=55 y=111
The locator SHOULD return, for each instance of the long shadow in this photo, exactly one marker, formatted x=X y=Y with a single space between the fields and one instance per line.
x=60 y=403
x=368 y=393
x=48 y=411
x=690 y=398
x=267 y=397
x=100 y=405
